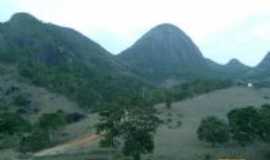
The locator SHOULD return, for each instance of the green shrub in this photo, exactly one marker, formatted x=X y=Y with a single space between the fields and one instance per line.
x=21 y=100
x=244 y=124
x=52 y=121
x=12 y=123
x=213 y=130
x=9 y=141
x=38 y=139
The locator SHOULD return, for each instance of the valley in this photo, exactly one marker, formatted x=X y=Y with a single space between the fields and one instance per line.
x=64 y=97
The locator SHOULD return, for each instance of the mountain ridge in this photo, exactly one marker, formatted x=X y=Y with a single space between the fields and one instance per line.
x=65 y=61
x=265 y=63
x=164 y=51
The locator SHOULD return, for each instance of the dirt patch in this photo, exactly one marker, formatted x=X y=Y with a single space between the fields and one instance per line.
x=80 y=143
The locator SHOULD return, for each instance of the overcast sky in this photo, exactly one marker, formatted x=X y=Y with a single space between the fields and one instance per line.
x=223 y=29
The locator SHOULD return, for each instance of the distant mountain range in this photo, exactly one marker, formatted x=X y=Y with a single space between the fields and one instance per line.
x=162 y=55
x=167 y=53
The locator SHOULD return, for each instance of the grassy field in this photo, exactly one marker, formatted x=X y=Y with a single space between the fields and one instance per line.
x=177 y=139
x=182 y=143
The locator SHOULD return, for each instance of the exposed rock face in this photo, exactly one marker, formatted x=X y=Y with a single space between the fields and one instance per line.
x=164 y=51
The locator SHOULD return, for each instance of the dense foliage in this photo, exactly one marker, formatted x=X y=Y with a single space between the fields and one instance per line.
x=246 y=125
x=133 y=123
x=36 y=140
x=191 y=89
x=264 y=127
x=89 y=88
x=12 y=123
x=52 y=121
x=213 y=130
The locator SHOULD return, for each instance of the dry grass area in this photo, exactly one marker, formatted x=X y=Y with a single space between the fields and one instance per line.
x=81 y=143
x=182 y=143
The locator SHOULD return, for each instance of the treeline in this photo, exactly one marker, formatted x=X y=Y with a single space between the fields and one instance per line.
x=197 y=87
x=88 y=86
x=243 y=125
x=93 y=90
x=20 y=133
x=187 y=90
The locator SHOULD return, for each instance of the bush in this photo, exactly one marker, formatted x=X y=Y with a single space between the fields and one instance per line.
x=9 y=141
x=244 y=124
x=12 y=90
x=52 y=121
x=12 y=123
x=213 y=130
x=35 y=141
x=21 y=100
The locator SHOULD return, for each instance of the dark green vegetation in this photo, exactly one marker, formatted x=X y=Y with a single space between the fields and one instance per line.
x=27 y=136
x=186 y=90
x=18 y=132
x=64 y=61
x=246 y=125
x=198 y=87
x=12 y=123
x=134 y=124
x=213 y=130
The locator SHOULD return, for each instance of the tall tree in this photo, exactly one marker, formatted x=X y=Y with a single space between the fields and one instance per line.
x=135 y=123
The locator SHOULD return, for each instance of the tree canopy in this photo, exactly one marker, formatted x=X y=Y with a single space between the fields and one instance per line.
x=213 y=130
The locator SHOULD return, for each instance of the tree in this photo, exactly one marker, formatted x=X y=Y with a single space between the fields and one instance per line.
x=213 y=130
x=244 y=124
x=52 y=121
x=12 y=123
x=38 y=139
x=264 y=123
x=21 y=100
x=139 y=127
x=134 y=123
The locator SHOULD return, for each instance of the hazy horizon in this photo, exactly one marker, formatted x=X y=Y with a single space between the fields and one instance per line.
x=223 y=30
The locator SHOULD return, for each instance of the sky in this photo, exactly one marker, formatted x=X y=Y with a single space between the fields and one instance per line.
x=223 y=29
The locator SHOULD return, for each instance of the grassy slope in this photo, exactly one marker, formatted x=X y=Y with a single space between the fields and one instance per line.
x=41 y=98
x=182 y=143
x=174 y=143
